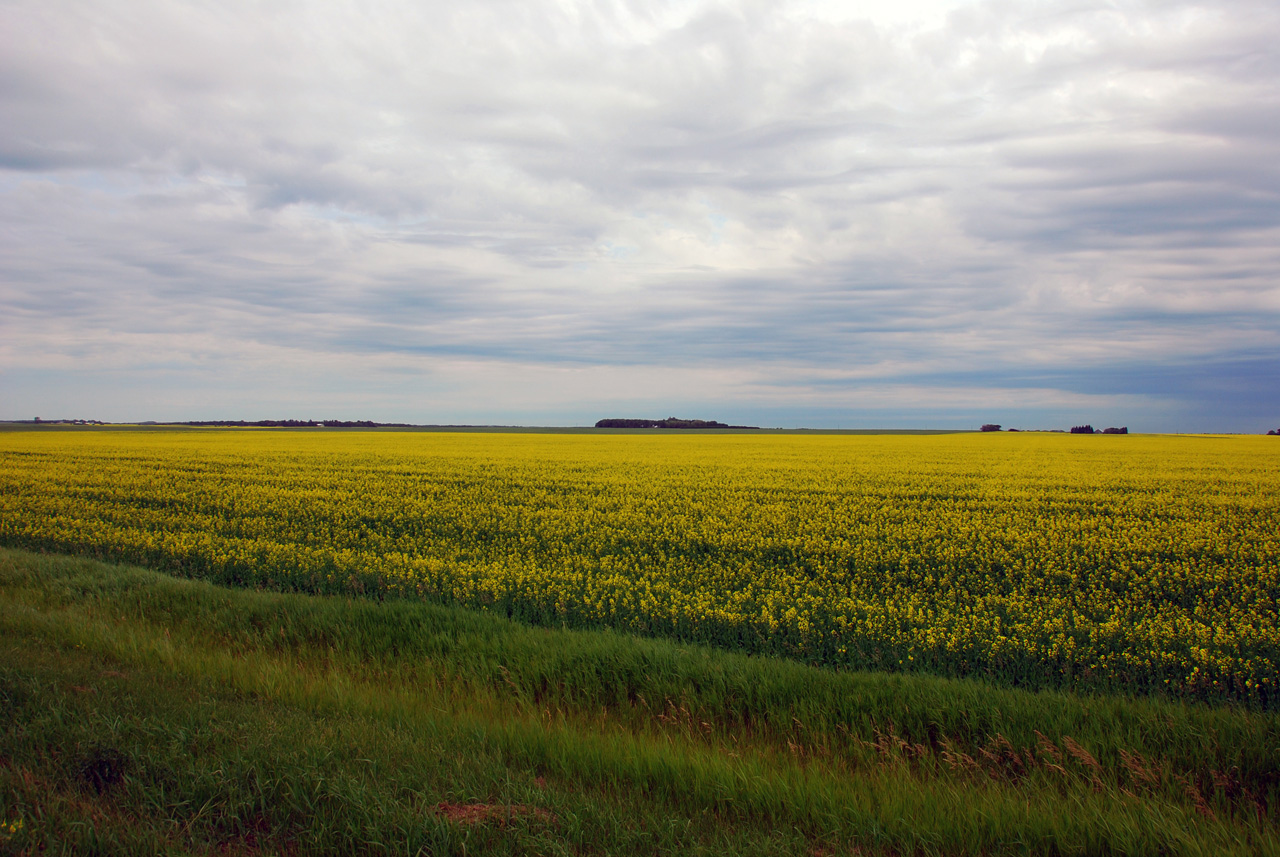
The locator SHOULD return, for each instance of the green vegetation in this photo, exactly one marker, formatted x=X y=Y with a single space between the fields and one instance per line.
x=144 y=714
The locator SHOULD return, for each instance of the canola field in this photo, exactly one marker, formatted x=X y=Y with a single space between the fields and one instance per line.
x=1138 y=563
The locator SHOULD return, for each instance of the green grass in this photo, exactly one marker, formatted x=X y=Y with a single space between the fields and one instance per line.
x=141 y=713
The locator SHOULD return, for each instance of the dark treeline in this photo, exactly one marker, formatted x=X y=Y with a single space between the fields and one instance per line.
x=290 y=424
x=1085 y=429
x=40 y=422
x=668 y=423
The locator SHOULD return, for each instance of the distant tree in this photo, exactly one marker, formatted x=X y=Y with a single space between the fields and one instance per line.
x=349 y=423
x=1086 y=429
x=991 y=427
x=668 y=423
x=626 y=423
x=1121 y=430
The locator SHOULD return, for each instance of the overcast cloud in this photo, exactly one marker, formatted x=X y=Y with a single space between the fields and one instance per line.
x=918 y=214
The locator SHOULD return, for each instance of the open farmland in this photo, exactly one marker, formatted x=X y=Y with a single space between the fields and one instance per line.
x=1102 y=611
x=1150 y=564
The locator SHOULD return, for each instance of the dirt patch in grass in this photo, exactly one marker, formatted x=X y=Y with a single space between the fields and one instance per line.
x=104 y=768
x=493 y=813
x=256 y=839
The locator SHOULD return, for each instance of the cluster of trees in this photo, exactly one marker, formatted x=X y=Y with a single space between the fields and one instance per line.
x=253 y=423
x=668 y=423
x=1084 y=429
x=1087 y=429
x=39 y=421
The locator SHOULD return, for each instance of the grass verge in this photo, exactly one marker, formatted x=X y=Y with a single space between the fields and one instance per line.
x=146 y=714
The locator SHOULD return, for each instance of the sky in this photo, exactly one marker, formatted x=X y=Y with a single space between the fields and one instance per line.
x=907 y=214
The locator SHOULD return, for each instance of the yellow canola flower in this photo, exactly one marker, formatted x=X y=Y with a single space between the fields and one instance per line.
x=1132 y=561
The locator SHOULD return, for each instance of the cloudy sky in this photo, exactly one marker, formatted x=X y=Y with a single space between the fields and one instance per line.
x=897 y=213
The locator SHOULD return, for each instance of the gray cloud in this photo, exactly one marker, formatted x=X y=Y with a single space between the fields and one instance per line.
x=568 y=206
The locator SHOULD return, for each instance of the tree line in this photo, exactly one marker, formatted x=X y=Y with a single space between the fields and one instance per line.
x=668 y=423
x=1084 y=429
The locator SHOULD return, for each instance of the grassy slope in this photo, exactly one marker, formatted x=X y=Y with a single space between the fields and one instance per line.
x=140 y=713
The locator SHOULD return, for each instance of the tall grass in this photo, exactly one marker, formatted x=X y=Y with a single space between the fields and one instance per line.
x=255 y=720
